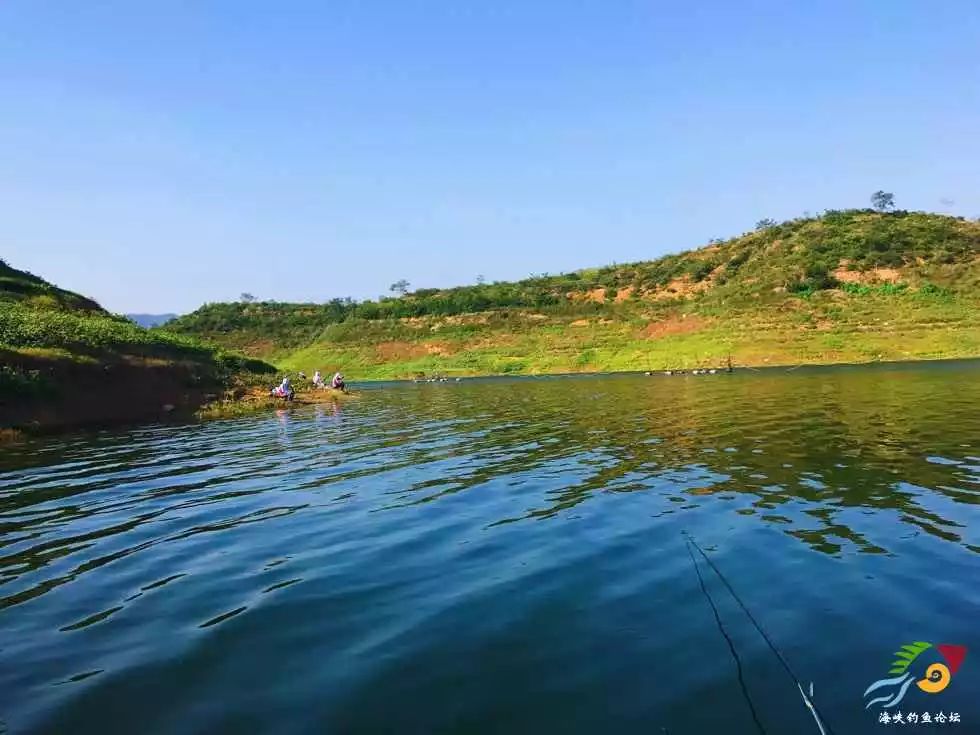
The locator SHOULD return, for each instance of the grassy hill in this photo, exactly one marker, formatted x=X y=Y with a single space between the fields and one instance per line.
x=65 y=360
x=25 y=289
x=853 y=285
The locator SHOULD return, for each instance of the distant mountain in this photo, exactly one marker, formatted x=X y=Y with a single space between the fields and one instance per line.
x=151 y=320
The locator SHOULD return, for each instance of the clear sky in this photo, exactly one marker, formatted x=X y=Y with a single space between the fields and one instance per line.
x=157 y=155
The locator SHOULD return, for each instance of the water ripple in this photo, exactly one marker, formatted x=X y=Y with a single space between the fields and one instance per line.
x=489 y=555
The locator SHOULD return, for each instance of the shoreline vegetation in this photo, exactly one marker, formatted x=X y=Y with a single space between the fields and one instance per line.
x=257 y=399
x=846 y=286
x=66 y=363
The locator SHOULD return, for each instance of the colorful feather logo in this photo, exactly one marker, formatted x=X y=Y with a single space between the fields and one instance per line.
x=935 y=678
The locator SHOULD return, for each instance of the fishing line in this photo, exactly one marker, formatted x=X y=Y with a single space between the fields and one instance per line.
x=817 y=715
x=731 y=645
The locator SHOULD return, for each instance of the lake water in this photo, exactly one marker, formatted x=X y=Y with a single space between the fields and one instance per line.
x=501 y=556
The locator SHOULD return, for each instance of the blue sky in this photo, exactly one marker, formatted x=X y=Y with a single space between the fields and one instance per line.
x=159 y=155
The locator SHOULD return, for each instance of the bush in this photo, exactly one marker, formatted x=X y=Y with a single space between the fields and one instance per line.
x=800 y=288
x=817 y=277
x=699 y=270
x=933 y=292
x=736 y=261
x=892 y=289
x=882 y=289
x=855 y=289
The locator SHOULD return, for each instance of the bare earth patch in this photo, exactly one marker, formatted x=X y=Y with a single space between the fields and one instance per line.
x=674 y=325
x=438 y=348
x=259 y=347
x=623 y=294
x=680 y=288
x=597 y=294
x=874 y=275
x=399 y=350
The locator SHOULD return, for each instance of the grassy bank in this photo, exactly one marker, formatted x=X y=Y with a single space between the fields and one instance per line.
x=825 y=328
x=64 y=361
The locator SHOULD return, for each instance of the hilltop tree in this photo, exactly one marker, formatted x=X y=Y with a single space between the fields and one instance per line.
x=247 y=298
x=882 y=201
x=399 y=287
x=765 y=223
x=480 y=280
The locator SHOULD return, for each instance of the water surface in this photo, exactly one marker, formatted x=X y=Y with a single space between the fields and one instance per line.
x=499 y=556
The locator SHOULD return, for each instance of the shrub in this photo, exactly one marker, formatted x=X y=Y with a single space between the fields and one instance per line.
x=818 y=277
x=855 y=289
x=932 y=291
x=699 y=270
x=800 y=288
x=882 y=289
x=892 y=289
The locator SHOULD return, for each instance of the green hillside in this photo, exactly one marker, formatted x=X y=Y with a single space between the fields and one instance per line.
x=854 y=285
x=26 y=289
x=65 y=360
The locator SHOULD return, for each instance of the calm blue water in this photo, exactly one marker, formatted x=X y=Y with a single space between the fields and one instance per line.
x=499 y=556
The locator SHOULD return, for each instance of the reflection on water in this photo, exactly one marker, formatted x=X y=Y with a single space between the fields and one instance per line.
x=495 y=555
